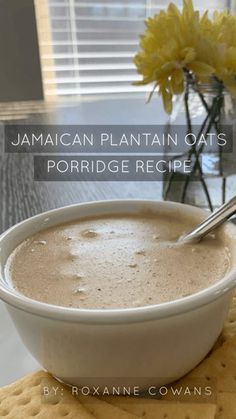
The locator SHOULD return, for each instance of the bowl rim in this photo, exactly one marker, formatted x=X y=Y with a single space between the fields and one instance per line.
x=116 y=315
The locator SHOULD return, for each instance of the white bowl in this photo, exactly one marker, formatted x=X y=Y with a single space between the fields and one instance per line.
x=142 y=346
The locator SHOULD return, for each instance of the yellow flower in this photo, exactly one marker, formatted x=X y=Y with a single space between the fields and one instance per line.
x=222 y=30
x=176 y=42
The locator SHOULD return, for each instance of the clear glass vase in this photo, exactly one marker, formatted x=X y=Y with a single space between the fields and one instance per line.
x=203 y=107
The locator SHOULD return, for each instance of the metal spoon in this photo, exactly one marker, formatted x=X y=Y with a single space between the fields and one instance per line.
x=211 y=222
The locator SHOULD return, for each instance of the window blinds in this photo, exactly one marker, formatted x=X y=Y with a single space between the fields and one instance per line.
x=87 y=46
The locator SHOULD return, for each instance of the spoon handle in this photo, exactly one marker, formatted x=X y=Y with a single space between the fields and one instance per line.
x=211 y=222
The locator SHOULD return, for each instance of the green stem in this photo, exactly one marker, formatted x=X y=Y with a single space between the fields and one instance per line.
x=212 y=113
x=223 y=190
x=168 y=185
x=189 y=130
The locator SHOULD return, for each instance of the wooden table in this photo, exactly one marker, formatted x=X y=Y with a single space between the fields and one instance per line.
x=21 y=197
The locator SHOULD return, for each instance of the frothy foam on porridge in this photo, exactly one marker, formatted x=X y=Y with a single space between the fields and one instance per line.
x=116 y=262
